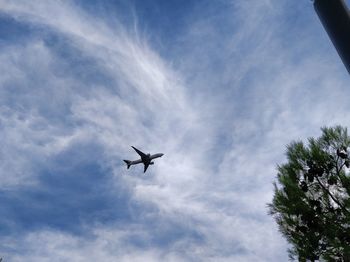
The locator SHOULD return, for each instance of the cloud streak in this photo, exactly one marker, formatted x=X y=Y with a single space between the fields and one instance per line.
x=78 y=90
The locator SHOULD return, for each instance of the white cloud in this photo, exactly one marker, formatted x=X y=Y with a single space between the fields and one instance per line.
x=241 y=83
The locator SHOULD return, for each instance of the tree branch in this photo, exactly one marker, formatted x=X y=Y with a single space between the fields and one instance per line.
x=329 y=193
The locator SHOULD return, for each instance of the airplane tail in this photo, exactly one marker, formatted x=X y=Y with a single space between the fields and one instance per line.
x=128 y=163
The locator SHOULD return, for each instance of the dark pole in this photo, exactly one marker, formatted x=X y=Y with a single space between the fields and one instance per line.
x=335 y=17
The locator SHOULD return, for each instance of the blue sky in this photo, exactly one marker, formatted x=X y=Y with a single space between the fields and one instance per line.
x=220 y=87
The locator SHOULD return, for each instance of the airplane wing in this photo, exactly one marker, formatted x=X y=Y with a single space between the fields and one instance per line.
x=142 y=155
x=146 y=166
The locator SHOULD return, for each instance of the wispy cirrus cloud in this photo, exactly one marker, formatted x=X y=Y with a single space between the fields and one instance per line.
x=75 y=126
x=243 y=79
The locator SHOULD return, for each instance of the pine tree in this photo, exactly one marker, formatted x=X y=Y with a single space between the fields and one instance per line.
x=311 y=202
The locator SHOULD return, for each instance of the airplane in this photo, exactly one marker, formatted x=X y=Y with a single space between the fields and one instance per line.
x=146 y=159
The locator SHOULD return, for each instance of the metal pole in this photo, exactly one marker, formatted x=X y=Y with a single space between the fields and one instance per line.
x=335 y=17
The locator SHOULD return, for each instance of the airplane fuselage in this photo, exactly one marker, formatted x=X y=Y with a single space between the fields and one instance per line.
x=146 y=159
